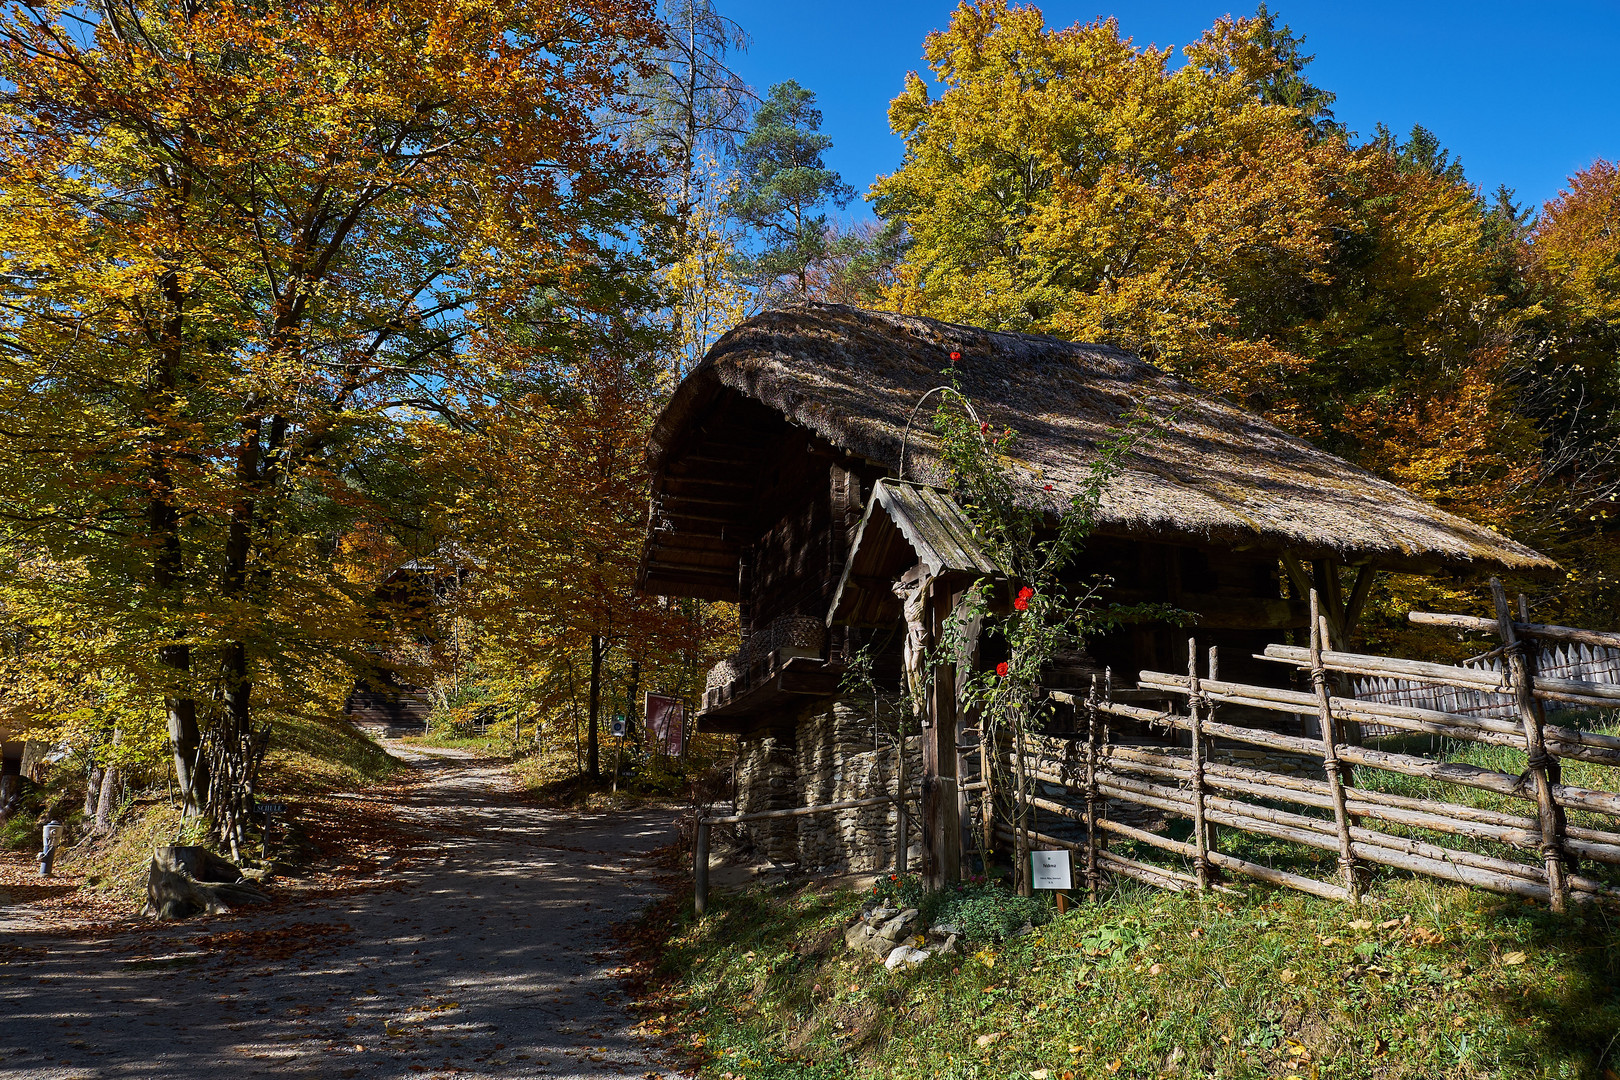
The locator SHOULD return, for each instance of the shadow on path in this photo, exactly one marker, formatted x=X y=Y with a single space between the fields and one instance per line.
x=486 y=953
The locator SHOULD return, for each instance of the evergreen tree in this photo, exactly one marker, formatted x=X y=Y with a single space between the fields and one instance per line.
x=1284 y=82
x=784 y=185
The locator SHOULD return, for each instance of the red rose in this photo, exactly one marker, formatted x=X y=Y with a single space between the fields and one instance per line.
x=984 y=429
x=1001 y=669
x=1025 y=593
x=1021 y=604
x=1048 y=487
x=956 y=356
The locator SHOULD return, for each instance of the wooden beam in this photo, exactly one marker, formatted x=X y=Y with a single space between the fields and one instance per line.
x=942 y=827
x=1358 y=598
x=1297 y=577
x=701 y=500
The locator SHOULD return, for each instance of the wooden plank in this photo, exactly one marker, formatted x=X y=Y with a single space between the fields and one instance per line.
x=1548 y=631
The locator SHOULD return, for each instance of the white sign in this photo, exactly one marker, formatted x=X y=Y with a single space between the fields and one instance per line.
x=1052 y=869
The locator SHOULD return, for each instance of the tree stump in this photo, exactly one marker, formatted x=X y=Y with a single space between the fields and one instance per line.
x=189 y=880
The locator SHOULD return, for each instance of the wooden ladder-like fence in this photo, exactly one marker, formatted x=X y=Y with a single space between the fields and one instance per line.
x=1317 y=805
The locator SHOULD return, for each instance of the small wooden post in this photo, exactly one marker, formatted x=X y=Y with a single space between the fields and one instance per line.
x=1200 y=836
x=902 y=829
x=1092 y=882
x=700 y=869
x=987 y=797
x=1330 y=754
x=1213 y=843
x=1538 y=761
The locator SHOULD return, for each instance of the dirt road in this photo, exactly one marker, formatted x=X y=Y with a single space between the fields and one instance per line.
x=486 y=952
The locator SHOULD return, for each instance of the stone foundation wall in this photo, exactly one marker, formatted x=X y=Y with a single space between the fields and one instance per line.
x=767 y=779
x=832 y=760
x=838 y=763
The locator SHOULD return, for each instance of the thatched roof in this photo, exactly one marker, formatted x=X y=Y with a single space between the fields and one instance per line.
x=1213 y=474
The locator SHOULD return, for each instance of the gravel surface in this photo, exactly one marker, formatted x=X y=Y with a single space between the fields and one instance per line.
x=485 y=952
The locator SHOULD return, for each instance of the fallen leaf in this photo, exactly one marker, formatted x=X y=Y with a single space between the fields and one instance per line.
x=1039 y=1074
x=1286 y=976
x=1513 y=959
x=1113 y=1066
x=1361 y=924
x=1155 y=969
x=985 y=1040
x=1380 y=1047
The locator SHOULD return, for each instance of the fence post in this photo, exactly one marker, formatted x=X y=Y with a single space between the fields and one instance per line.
x=1200 y=836
x=1538 y=762
x=1092 y=883
x=700 y=869
x=1330 y=756
x=1209 y=716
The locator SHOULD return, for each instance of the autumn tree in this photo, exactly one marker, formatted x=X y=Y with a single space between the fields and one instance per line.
x=688 y=108
x=549 y=505
x=244 y=249
x=1213 y=218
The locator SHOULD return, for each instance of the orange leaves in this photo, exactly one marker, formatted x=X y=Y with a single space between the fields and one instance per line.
x=1577 y=243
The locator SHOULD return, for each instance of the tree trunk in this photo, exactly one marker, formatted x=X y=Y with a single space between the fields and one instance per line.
x=10 y=781
x=109 y=790
x=185 y=738
x=593 y=762
x=168 y=563
x=630 y=703
x=92 y=788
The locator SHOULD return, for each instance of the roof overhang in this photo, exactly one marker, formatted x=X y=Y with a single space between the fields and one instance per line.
x=904 y=525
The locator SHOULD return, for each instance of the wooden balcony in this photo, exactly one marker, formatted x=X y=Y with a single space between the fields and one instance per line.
x=780 y=680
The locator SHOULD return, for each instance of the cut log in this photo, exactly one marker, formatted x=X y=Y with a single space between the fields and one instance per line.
x=188 y=880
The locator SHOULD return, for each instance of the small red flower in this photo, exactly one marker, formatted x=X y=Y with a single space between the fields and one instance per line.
x=1001 y=669
x=1025 y=593
x=1048 y=487
x=1021 y=604
x=956 y=356
x=984 y=429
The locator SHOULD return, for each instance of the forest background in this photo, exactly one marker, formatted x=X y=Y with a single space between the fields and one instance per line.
x=333 y=332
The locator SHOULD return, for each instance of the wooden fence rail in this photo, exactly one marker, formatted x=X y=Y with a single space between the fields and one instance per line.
x=1456 y=842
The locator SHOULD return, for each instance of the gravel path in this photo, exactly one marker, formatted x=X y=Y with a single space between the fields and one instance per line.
x=485 y=953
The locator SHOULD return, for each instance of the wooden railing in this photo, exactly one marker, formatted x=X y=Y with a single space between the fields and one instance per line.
x=1214 y=796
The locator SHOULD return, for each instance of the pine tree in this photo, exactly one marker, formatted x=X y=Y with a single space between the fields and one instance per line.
x=785 y=183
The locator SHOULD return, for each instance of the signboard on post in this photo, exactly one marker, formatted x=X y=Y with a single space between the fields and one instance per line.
x=666 y=725
x=621 y=727
x=1051 y=870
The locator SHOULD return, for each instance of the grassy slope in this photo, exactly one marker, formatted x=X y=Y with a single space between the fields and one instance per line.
x=307 y=757
x=1437 y=982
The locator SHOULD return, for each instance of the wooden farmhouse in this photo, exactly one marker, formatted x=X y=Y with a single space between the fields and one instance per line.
x=777 y=485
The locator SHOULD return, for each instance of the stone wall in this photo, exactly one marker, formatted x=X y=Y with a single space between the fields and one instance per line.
x=832 y=760
x=837 y=763
x=767 y=779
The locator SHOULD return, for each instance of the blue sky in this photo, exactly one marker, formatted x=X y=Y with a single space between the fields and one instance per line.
x=1525 y=93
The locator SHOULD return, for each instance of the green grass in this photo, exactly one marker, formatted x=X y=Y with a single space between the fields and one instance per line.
x=313 y=755
x=1437 y=982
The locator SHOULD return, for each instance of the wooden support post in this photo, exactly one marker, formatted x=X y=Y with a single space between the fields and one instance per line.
x=1092 y=795
x=1330 y=755
x=1213 y=842
x=1194 y=713
x=942 y=825
x=1538 y=761
x=902 y=831
x=700 y=869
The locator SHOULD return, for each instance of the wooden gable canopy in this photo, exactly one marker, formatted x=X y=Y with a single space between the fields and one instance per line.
x=904 y=525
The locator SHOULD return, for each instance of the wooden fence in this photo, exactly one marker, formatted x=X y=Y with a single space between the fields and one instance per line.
x=1317 y=805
